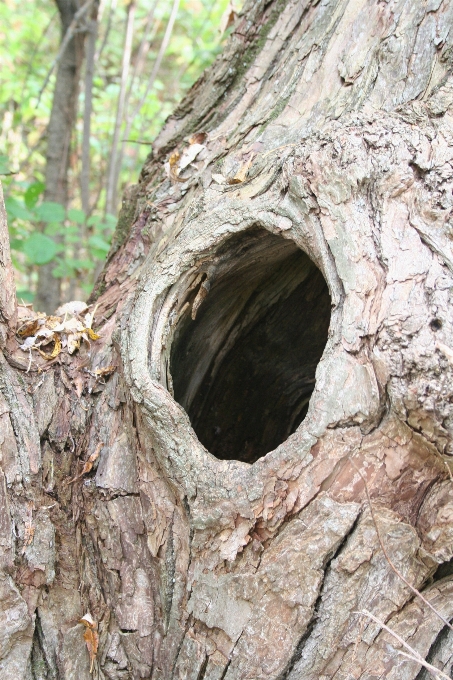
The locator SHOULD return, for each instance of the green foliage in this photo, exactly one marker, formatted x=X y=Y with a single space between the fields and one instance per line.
x=30 y=34
x=39 y=248
x=43 y=232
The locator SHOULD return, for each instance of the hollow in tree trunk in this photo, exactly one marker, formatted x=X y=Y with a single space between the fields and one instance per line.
x=276 y=340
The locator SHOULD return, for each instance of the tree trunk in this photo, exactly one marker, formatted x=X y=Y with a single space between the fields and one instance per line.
x=59 y=133
x=278 y=310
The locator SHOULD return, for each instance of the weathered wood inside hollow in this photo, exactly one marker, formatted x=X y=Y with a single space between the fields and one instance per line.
x=244 y=368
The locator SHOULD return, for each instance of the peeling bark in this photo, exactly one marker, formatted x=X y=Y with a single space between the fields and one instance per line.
x=329 y=132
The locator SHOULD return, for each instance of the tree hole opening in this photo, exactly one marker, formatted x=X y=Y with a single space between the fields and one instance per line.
x=244 y=368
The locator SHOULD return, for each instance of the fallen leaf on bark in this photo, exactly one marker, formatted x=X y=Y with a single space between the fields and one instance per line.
x=104 y=372
x=241 y=174
x=29 y=528
x=228 y=18
x=55 y=352
x=78 y=383
x=88 y=465
x=91 y=334
x=91 y=637
x=189 y=155
x=28 y=328
x=198 y=138
x=172 y=167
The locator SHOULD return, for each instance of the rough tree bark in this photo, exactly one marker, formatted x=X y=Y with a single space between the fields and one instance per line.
x=311 y=232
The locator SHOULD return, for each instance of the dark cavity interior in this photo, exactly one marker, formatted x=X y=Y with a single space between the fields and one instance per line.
x=244 y=369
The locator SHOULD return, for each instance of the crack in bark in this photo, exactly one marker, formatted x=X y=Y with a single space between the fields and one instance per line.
x=442 y=636
x=299 y=648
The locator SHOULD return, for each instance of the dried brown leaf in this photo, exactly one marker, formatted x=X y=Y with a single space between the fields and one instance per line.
x=88 y=465
x=198 y=138
x=241 y=174
x=28 y=328
x=91 y=637
x=74 y=307
x=92 y=335
x=55 y=352
x=29 y=528
x=52 y=322
x=78 y=384
x=173 y=164
x=189 y=155
x=228 y=18
x=104 y=372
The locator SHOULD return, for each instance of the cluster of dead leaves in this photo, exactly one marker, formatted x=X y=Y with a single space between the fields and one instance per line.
x=178 y=163
x=50 y=335
x=91 y=637
x=235 y=168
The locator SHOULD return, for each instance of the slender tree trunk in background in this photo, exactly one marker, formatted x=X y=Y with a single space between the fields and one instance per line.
x=92 y=31
x=112 y=179
x=288 y=288
x=132 y=115
x=59 y=134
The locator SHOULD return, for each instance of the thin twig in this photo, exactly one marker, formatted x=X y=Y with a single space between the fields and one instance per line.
x=64 y=43
x=426 y=664
x=414 y=655
x=395 y=569
x=137 y=141
x=31 y=63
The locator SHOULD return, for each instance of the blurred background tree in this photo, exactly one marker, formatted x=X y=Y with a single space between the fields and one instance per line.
x=85 y=85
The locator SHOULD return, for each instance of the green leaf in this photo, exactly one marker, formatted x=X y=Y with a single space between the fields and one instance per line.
x=54 y=228
x=39 y=248
x=16 y=209
x=49 y=211
x=98 y=243
x=94 y=220
x=16 y=244
x=32 y=194
x=61 y=270
x=77 y=216
x=25 y=295
x=4 y=165
x=110 y=221
x=80 y=264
